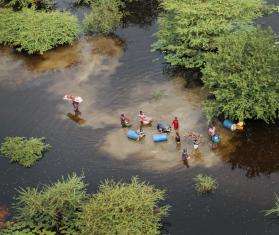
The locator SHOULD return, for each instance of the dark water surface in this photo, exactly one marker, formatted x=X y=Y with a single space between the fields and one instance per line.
x=120 y=74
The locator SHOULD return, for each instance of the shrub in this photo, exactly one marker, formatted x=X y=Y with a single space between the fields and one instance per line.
x=24 y=151
x=36 y=4
x=275 y=209
x=37 y=32
x=84 y=2
x=65 y=208
x=188 y=29
x=158 y=94
x=121 y=208
x=244 y=76
x=104 y=17
x=205 y=184
x=54 y=208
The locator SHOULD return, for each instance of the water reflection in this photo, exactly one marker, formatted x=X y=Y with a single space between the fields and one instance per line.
x=258 y=150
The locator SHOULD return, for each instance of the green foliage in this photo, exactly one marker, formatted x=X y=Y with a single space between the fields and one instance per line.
x=65 y=208
x=54 y=208
x=84 y=2
x=37 y=32
x=158 y=94
x=24 y=151
x=205 y=184
x=244 y=76
x=35 y=4
x=188 y=29
x=121 y=208
x=275 y=209
x=104 y=17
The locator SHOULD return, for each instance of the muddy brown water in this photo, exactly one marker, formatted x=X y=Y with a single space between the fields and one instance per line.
x=120 y=74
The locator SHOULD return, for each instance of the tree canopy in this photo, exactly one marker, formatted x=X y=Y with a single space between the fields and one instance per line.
x=244 y=76
x=37 y=32
x=65 y=208
x=188 y=29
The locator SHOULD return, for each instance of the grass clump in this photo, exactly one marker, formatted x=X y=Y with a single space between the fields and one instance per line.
x=104 y=17
x=37 y=32
x=157 y=95
x=66 y=208
x=24 y=151
x=83 y=2
x=205 y=184
x=275 y=209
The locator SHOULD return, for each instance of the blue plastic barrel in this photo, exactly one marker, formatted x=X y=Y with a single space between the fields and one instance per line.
x=132 y=135
x=229 y=124
x=160 y=137
x=216 y=139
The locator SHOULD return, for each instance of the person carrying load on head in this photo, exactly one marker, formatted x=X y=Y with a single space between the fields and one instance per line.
x=76 y=100
x=175 y=124
x=125 y=121
x=144 y=120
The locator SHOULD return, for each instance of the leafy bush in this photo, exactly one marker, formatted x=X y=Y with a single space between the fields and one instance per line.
x=37 y=32
x=24 y=151
x=36 y=4
x=244 y=76
x=188 y=29
x=121 y=208
x=275 y=209
x=205 y=184
x=84 y=2
x=54 y=208
x=104 y=17
x=65 y=208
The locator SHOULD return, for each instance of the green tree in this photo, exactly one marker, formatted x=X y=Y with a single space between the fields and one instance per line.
x=37 y=32
x=104 y=17
x=24 y=151
x=121 y=208
x=54 y=208
x=188 y=29
x=244 y=76
x=36 y=4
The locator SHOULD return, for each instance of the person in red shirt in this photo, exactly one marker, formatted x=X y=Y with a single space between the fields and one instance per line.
x=175 y=124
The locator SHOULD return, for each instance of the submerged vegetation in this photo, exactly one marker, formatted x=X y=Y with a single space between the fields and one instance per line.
x=205 y=184
x=24 y=151
x=37 y=32
x=275 y=209
x=104 y=17
x=244 y=76
x=66 y=208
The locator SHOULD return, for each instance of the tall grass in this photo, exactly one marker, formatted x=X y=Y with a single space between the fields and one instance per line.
x=205 y=184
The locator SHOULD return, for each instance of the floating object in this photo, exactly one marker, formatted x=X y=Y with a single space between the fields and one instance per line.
x=160 y=137
x=240 y=126
x=72 y=98
x=229 y=124
x=216 y=139
x=133 y=135
x=163 y=127
x=196 y=146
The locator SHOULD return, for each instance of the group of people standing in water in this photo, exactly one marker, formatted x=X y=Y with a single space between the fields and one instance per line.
x=145 y=121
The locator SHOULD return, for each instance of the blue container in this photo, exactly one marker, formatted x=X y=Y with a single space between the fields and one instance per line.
x=229 y=124
x=132 y=135
x=160 y=137
x=216 y=139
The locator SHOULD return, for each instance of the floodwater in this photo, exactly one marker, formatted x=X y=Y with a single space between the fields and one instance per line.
x=119 y=74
